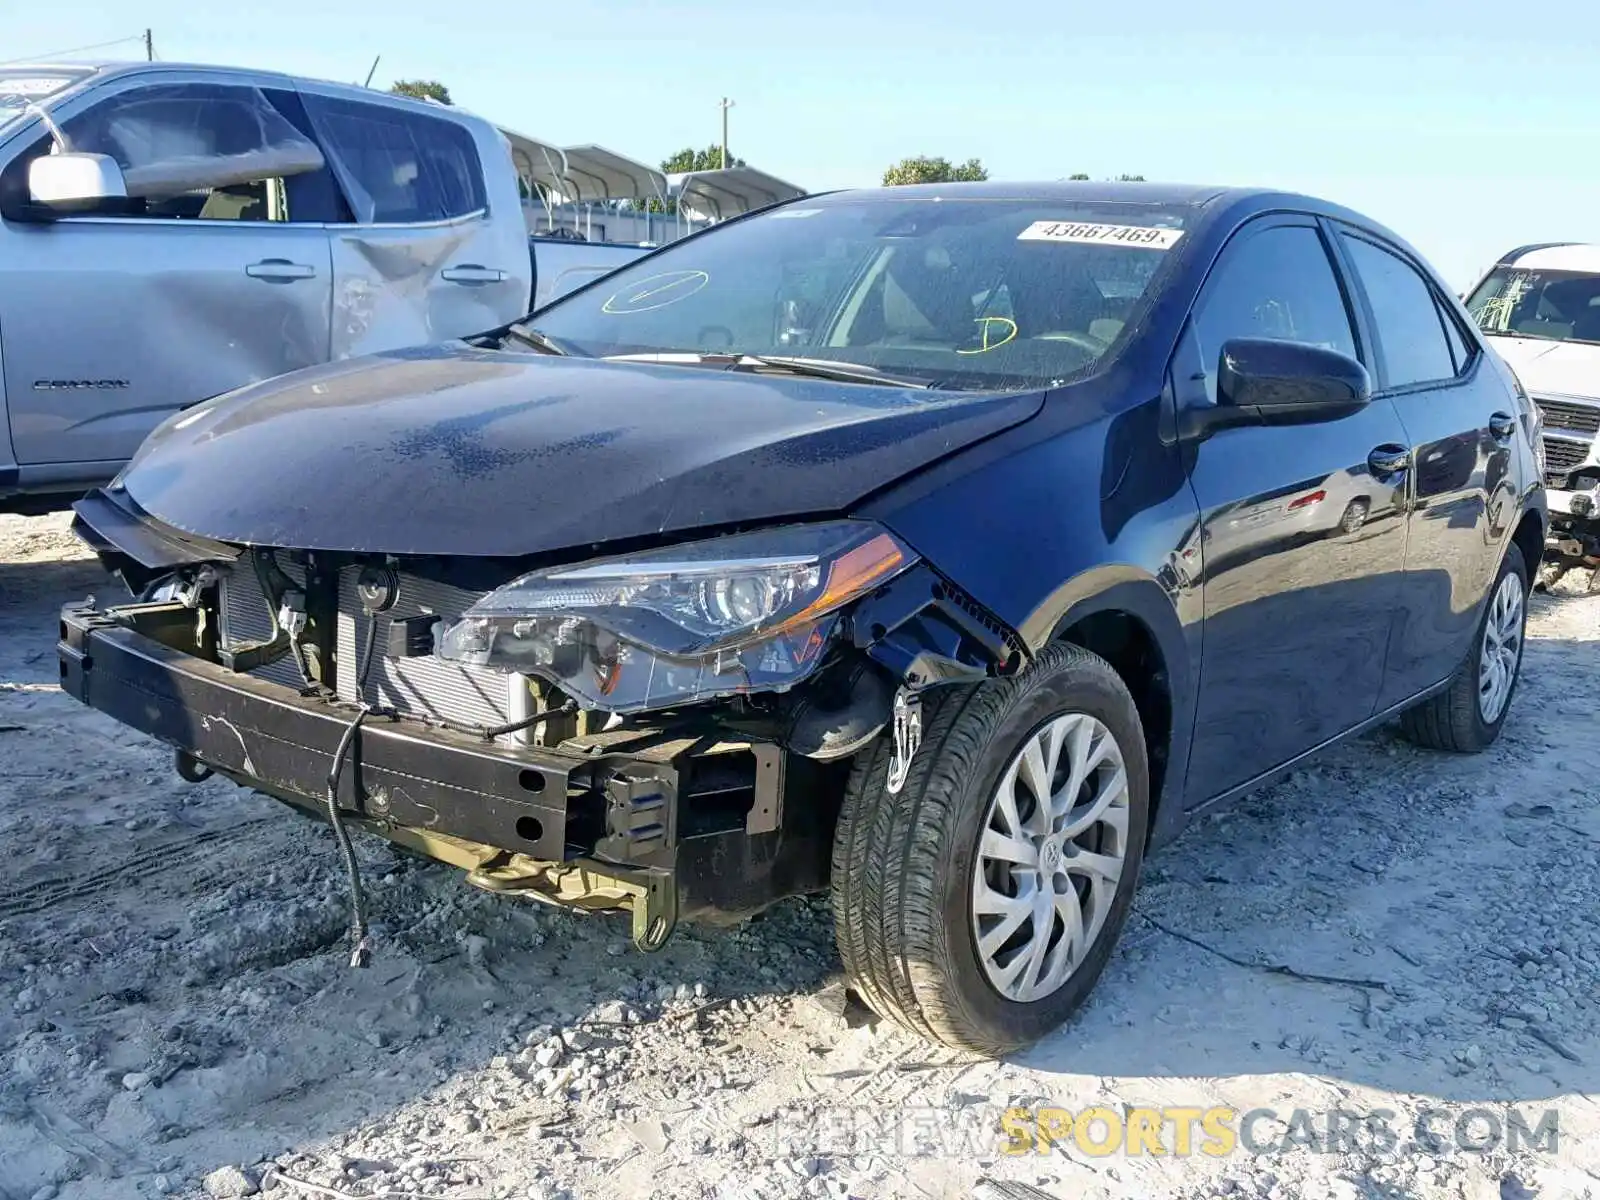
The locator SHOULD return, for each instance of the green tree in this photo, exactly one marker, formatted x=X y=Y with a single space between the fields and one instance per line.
x=933 y=170
x=422 y=89
x=690 y=159
x=1081 y=175
x=1130 y=178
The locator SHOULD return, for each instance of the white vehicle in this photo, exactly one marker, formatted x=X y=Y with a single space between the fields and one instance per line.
x=1540 y=307
x=174 y=232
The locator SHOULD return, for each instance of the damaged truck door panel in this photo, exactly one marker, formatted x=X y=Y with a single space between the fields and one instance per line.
x=172 y=233
x=946 y=547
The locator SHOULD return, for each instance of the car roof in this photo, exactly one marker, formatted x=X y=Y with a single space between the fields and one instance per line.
x=103 y=69
x=1078 y=190
x=1222 y=208
x=1555 y=256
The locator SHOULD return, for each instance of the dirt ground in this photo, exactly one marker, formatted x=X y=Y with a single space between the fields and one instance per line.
x=1389 y=931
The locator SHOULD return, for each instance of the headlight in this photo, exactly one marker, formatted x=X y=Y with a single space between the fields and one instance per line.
x=751 y=612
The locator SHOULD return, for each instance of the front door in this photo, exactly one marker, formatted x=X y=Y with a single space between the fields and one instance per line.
x=113 y=320
x=1302 y=527
x=1460 y=422
x=431 y=253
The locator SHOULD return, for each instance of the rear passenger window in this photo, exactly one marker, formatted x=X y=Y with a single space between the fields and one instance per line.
x=1410 y=327
x=398 y=167
x=1276 y=284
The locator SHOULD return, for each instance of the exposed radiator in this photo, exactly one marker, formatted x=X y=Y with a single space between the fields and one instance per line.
x=245 y=618
x=426 y=686
x=422 y=686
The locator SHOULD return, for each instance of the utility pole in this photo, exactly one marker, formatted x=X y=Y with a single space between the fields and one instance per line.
x=149 y=47
x=725 y=106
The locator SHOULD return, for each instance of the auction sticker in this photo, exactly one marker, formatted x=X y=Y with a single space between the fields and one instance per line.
x=1101 y=235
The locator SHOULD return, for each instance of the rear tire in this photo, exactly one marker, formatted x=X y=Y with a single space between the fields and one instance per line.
x=1457 y=719
x=916 y=875
x=1355 y=516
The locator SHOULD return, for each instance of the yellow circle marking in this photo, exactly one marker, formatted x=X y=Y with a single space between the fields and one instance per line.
x=685 y=283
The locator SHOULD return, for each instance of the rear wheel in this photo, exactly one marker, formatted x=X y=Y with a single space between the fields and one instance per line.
x=1467 y=716
x=979 y=905
x=1355 y=515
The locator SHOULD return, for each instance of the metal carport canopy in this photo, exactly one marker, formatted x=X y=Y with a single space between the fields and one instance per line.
x=542 y=164
x=595 y=173
x=717 y=195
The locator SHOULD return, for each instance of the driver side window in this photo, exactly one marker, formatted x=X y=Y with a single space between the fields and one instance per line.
x=1279 y=284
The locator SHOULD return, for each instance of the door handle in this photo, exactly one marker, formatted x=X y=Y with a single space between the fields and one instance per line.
x=1502 y=426
x=1389 y=459
x=280 y=270
x=472 y=273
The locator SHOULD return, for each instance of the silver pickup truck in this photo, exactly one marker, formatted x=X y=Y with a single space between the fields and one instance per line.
x=1540 y=307
x=171 y=232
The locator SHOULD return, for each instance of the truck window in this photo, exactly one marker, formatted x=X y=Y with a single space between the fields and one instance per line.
x=163 y=131
x=398 y=167
x=1557 y=306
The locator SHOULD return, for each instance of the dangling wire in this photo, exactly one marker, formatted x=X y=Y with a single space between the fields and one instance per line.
x=360 y=940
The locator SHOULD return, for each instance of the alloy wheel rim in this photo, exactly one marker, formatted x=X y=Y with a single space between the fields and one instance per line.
x=1053 y=848
x=1502 y=649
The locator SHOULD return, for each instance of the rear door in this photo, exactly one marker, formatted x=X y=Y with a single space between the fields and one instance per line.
x=114 y=319
x=1460 y=421
x=437 y=246
x=1302 y=537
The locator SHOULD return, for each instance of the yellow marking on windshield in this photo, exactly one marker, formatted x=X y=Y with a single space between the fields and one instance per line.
x=988 y=341
x=632 y=301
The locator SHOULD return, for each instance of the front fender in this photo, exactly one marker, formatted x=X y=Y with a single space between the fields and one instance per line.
x=1069 y=515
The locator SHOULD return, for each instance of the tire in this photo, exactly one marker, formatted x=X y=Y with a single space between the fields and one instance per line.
x=906 y=867
x=1355 y=516
x=1455 y=720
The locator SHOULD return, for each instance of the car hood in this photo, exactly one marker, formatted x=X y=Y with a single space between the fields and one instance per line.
x=1546 y=367
x=451 y=450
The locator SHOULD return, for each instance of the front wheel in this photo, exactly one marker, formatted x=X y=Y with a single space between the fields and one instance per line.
x=978 y=906
x=1467 y=716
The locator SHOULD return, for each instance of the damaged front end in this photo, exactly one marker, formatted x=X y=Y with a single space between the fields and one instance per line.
x=1573 y=541
x=666 y=732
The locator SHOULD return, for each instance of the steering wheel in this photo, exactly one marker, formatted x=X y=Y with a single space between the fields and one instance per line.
x=710 y=330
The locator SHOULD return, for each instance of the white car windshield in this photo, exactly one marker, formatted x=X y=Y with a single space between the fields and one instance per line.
x=1557 y=306
x=952 y=292
x=18 y=89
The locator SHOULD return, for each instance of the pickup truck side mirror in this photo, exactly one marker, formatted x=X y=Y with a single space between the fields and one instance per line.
x=75 y=181
x=1263 y=381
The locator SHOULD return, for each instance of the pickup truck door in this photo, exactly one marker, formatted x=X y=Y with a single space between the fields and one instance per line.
x=438 y=247
x=114 y=319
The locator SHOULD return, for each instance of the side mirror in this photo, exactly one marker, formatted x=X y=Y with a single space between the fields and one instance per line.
x=1262 y=381
x=69 y=181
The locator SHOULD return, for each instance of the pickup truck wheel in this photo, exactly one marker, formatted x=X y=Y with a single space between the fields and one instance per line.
x=978 y=906
x=1466 y=717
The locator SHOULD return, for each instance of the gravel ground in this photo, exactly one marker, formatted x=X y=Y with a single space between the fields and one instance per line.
x=1387 y=930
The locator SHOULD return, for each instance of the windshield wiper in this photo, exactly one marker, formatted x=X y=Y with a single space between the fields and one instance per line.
x=531 y=337
x=827 y=368
x=813 y=368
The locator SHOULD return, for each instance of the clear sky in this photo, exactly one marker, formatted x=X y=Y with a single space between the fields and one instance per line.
x=1469 y=127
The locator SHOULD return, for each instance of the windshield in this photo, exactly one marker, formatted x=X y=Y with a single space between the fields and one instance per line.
x=979 y=294
x=1559 y=306
x=20 y=88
